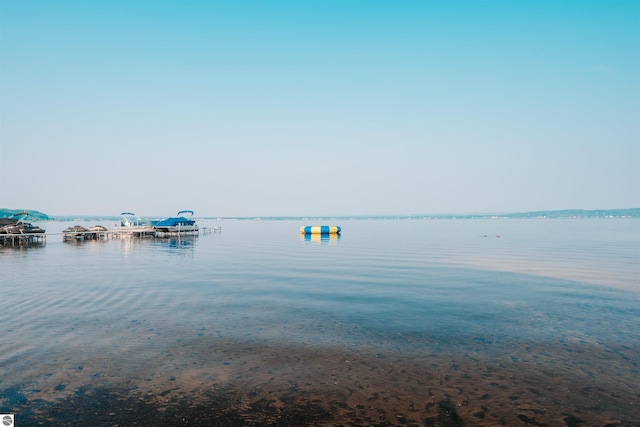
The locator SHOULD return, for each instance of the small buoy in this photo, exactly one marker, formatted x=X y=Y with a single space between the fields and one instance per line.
x=320 y=229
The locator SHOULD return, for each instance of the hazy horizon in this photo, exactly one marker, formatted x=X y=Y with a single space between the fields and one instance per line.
x=561 y=213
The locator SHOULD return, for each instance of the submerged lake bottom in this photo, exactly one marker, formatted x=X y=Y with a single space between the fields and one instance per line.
x=256 y=326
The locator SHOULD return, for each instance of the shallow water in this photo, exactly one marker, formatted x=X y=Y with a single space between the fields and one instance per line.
x=429 y=322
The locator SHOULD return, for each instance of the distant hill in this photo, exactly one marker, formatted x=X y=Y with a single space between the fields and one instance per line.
x=85 y=218
x=33 y=215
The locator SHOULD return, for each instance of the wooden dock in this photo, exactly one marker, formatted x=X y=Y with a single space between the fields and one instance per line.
x=22 y=239
x=151 y=231
x=139 y=231
x=85 y=235
x=176 y=233
x=78 y=233
x=209 y=230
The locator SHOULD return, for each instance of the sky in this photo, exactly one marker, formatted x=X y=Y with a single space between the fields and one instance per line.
x=295 y=108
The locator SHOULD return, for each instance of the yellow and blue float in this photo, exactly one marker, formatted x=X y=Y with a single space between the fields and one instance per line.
x=320 y=229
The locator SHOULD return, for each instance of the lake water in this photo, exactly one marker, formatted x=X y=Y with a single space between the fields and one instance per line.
x=424 y=322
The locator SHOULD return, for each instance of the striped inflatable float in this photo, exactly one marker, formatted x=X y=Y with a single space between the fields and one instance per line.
x=320 y=229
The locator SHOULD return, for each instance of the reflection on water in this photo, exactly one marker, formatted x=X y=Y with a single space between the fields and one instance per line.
x=22 y=247
x=320 y=238
x=186 y=242
x=388 y=327
x=178 y=245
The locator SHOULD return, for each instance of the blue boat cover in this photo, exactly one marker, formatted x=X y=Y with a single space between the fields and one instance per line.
x=175 y=221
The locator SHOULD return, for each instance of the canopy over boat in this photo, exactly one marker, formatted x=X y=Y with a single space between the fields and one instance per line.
x=176 y=220
x=15 y=225
x=129 y=219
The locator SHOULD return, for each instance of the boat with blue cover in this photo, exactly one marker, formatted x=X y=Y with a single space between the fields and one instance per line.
x=178 y=224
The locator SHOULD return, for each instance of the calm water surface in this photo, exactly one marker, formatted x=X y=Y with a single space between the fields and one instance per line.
x=425 y=322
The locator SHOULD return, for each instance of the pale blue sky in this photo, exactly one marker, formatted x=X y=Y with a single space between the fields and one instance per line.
x=256 y=108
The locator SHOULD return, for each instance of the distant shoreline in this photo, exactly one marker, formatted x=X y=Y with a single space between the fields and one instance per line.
x=554 y=214
x=557 y=214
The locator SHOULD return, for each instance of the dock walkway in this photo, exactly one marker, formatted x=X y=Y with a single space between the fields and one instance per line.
x=99 y=233
x=22 y=239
